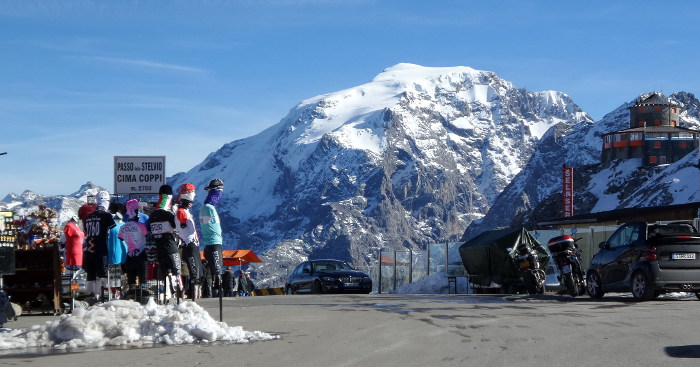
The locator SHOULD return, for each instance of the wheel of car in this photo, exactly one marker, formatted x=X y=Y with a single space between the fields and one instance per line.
x=697 y=294
x=594 y=285
x=641 y=287
x=289 y=290
x=316 y=287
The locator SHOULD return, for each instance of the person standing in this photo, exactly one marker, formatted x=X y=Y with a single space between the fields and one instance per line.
x=242 y=284
x=188 y=235
x=162 y=226
x=249 y=285
x=210 y=225
x=228 y=281
x=97 y=226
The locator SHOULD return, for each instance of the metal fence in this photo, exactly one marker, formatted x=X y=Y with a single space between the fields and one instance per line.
x=398 y=268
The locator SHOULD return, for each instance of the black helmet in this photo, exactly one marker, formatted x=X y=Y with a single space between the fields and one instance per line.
x=215 y=184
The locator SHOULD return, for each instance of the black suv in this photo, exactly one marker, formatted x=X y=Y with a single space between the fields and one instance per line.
x=648 y=260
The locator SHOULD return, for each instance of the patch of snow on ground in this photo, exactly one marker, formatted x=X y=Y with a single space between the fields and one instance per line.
x=435 y=283
x=128 y=323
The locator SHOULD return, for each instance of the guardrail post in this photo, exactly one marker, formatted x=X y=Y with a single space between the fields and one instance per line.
x=410 y=266
x=428 y=270
x=394 y=270
x=379 y=286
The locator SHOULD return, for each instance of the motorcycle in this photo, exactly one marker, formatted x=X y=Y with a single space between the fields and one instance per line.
x=567 y=256
x=529 y=264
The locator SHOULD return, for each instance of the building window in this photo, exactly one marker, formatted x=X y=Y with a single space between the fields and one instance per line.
x=641 y=109
x=673 y=110
x=642 y=123
x=657 y=144
x=683 y=145
x=662 y=159
x=652 y=159
x=657 y=136
x=657 y=109
x=674 y=123
x=620 y=137
x=657 y=122
x=684 y=136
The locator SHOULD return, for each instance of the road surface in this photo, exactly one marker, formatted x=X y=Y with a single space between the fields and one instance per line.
x=425 y=330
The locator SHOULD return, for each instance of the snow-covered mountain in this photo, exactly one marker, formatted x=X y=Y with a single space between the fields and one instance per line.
x=410 y=158
x=66 y=205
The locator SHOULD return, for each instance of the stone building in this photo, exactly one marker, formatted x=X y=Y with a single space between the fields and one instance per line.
x=655 y=135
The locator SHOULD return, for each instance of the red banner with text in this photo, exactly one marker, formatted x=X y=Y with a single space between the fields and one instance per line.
x=568 y=191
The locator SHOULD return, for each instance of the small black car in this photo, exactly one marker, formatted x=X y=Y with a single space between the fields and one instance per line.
x=327 y=276
x=647 y=260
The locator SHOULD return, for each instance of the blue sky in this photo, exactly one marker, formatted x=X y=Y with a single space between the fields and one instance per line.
x=84 y=81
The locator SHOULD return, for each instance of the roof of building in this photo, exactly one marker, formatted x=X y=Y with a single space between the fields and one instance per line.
x=627 y=215
x=656 y=129
x=654 y=98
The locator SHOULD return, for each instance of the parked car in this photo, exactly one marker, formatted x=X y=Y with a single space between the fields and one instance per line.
x=551 y=281
x=327 y=276
x=647 y=260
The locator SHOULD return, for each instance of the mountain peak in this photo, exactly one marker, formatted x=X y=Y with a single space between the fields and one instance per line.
x=392 y=163
x=86 y=189
x=409 y=72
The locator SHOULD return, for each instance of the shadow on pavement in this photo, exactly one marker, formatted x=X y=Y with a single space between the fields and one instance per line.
x=683 y=351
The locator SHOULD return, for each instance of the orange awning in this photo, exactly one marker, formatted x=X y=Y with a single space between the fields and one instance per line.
x=237 y=257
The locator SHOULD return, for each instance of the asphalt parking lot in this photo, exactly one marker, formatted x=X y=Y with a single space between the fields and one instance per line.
x=426 y=330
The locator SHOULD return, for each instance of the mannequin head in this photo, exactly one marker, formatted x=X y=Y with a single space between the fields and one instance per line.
x=165 y=197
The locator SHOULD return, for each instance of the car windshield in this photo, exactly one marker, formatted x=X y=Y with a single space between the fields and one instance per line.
x=671 y=228
x=331 y=266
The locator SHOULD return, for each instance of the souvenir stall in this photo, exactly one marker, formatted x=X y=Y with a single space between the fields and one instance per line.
x=36 y=282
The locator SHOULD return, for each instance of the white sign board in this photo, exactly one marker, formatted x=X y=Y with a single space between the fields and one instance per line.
x=138 y=175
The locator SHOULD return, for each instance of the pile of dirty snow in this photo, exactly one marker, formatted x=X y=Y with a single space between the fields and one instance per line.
x=128 y=323
x=435 y=283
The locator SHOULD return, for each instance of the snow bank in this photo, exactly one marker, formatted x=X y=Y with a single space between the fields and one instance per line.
x=435 y=283
x=128 y=323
